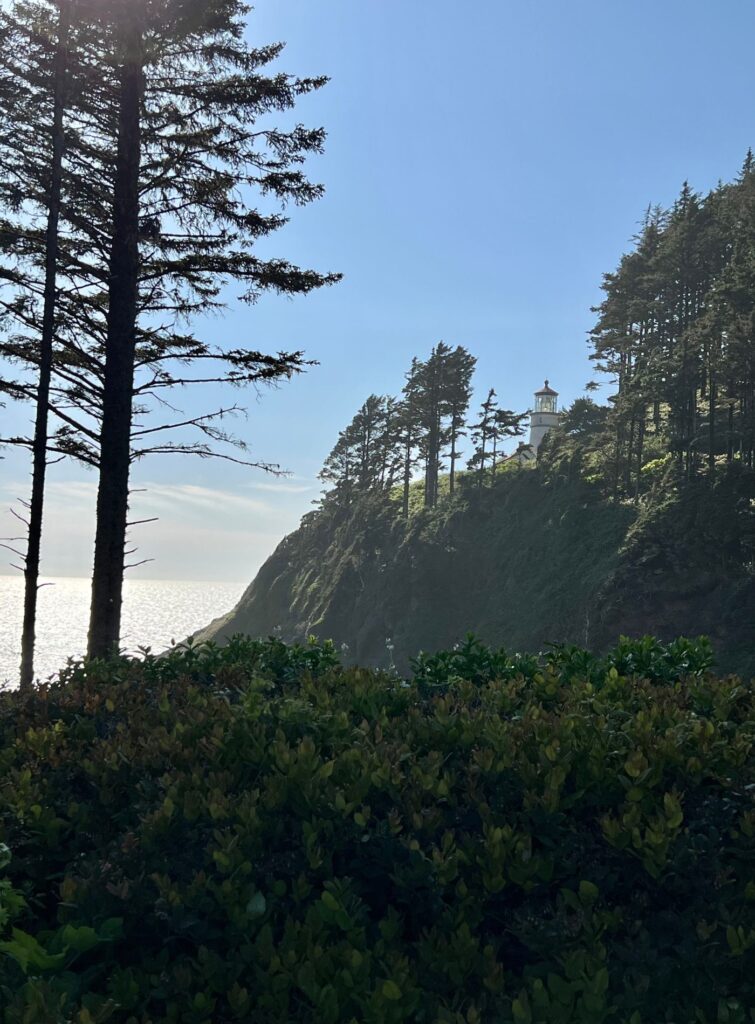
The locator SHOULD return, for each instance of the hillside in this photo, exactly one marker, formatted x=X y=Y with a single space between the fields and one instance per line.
x=523 y=563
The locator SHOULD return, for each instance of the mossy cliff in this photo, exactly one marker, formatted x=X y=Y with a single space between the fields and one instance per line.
x=521 y=564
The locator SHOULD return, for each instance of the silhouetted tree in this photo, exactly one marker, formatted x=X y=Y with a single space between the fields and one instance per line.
x=34 y=76
x=675 y=333
x=408 y=429
x=167 y=155
x=483 y=432
x=459 y=370
x=443 y=388
x=365 y=456
x=432 y=387
x=506 y=424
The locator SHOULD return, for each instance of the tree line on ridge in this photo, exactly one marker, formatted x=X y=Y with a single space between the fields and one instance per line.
x=675 y=333
x=389 y=437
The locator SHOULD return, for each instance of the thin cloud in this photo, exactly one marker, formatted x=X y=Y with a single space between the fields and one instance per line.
x=283 y=488
x=68 y=491
x=73 y=490
x=183 y=496
x=199 y=531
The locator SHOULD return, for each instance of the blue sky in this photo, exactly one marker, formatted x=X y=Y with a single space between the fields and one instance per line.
x=486 y=163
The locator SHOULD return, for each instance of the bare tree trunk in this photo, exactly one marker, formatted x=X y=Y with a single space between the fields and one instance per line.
x=112 y=496
x=482 y=462
x=452 y=476
x=712 y=425
x=41 y=424
x=630 y=454
x=617 y=458
x=407 y=477
x=640 y=449
x=431 y=465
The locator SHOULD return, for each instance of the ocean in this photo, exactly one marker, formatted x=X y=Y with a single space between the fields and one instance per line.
x=155 y=612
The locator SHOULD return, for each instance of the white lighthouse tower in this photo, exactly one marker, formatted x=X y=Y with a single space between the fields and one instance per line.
x=544 y=417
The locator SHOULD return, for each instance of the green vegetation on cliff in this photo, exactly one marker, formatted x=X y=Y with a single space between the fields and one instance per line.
x=539 y=557
x=255 y=833
x=640 y=514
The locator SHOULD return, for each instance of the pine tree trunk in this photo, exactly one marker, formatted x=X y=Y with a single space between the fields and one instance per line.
x=630 y=455
x=431 y=466
x=112 y=497
x=452 y=475
x=436 y=459
x=640 y=448
x=41 y=427
x=619 y=441
x=712 y=426
x=407 y=477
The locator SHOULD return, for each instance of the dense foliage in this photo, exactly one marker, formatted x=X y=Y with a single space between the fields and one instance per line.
x=675 y=331
x=255 y=833
x=389 y=437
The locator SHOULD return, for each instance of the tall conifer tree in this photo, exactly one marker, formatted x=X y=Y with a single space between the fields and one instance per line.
x=35 y=74
x=460 y=368
x=408 y=423
x=482 y=436
x=167 y=152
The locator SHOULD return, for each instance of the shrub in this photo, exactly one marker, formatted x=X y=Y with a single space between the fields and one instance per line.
x=255 y=834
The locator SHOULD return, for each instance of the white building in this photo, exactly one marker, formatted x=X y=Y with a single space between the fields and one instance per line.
x=543 y=418
x=545 y=415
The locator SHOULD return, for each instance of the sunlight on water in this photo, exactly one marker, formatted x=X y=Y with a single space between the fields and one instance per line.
x=155 y=612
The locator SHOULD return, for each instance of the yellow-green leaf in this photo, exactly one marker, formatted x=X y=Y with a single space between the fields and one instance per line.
x=391 y=990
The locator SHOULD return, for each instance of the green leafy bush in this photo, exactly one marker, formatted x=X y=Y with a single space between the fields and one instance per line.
x=254 y=833
x=473 y=661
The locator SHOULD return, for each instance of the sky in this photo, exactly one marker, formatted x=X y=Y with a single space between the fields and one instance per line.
x=487 y=162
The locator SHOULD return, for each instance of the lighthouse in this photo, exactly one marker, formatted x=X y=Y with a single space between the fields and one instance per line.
x=545 y=415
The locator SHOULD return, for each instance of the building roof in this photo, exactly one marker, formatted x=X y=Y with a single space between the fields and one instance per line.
x=524 y=451
x=547 y=390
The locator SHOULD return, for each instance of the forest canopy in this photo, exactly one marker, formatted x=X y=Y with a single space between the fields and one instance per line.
x=675 y=335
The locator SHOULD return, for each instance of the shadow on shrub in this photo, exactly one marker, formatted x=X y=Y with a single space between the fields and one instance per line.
x=253 y=833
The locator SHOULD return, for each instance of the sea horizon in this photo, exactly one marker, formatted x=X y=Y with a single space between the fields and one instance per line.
x=156 y=614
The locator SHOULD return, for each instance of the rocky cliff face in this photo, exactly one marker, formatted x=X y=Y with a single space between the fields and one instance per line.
x=522 y=564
